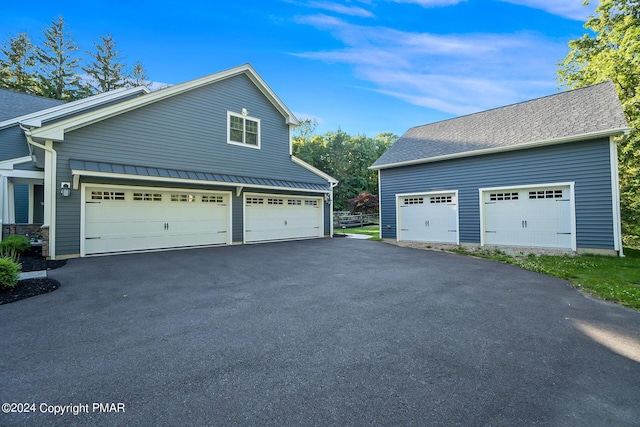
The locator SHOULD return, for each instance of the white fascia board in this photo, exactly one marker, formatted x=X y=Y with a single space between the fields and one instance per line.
x=574 y=138
x=37 y=118
x=10 y=163
x=57 y=130
x=76 y=172
x=315 y=170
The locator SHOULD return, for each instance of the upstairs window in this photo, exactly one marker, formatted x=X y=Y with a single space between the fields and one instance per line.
x=243 y=130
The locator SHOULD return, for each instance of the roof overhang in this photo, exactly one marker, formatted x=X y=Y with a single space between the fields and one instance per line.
x=80 y=168
x=39 y=118
x=56 y=131
x=564 y=140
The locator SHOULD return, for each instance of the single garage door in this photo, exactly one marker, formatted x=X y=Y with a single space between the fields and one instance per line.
x=132 y=219
x=534 y=217
x=428 y=218
x=278 y=217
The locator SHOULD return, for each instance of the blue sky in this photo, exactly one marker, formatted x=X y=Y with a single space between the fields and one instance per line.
x=364 y=66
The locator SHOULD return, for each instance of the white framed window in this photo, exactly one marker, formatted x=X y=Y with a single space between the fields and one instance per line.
x=243 y=130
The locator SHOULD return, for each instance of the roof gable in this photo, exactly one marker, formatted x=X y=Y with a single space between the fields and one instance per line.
x=57 y=130
x=577 y=114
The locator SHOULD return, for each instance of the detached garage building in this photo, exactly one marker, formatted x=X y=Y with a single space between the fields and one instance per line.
x=206 y=162
x=539 y=174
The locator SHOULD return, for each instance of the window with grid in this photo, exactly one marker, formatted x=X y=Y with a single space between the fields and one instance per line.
x=107 y=195
x=545 y=194
x=414 y=200
x=244 y=130
x=497 y=197
x=441 y=199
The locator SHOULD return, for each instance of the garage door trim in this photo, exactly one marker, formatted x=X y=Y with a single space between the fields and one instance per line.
x=572 y=205
x=427 y=194
x=83 y=193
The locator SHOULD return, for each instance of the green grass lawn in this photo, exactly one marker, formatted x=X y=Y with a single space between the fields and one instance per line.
x=370 y=230
x=610 y=278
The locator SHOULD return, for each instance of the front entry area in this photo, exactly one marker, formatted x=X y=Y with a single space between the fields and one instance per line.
x=122 y=219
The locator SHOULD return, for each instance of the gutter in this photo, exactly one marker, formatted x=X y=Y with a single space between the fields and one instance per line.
x=51 y=162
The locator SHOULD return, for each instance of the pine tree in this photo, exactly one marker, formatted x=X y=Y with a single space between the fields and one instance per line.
x=139 y=76
x=58 y=77
x=107 y=69
x=17 y=70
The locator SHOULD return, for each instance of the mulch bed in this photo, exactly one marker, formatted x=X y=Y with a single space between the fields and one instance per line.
x=32 y=261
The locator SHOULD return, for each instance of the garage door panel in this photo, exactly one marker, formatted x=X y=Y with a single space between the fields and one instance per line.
x=536 y=217
x=286 y=217
x=429 y=218
x=152 y=219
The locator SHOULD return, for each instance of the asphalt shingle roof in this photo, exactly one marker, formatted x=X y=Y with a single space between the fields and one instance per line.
x=16 y=104
x=582 y=111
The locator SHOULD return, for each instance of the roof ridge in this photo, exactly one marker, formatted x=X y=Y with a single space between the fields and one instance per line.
x=515 y=104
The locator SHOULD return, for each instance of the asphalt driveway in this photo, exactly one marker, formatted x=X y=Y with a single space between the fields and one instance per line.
x=322 y=332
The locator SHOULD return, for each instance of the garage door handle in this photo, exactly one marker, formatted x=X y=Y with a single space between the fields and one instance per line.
x=426 y=223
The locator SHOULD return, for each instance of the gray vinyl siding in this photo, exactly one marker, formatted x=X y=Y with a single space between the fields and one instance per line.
x=585 y=163
x=185 y=132
x=13 y=144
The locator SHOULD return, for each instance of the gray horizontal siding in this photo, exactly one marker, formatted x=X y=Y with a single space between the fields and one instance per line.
x=12 y=143
x=585 y=163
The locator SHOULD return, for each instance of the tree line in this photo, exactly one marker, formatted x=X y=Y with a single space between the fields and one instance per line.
x=54 y=68
x=345 y=157
x=611 y=51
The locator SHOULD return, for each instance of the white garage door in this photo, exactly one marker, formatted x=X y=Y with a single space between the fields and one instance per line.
x=428 y=218
x=535 y=217
x=119 y=220
x=278 y=217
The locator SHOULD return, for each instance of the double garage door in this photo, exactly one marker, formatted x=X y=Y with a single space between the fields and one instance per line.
x=120 y=220
x=134 y=219
x=532 y=217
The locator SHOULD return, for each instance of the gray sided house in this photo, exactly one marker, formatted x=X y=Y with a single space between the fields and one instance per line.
x=538 y=174
x=21 y=183
x=206 y=162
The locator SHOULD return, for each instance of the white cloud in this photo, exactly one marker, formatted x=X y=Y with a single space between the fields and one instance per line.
x=338 y=8
x=431 y=3
x=342 y=9
x=456 y=74
x=572 y=9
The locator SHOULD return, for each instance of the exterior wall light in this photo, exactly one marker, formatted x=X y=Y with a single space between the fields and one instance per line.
x=65 y=189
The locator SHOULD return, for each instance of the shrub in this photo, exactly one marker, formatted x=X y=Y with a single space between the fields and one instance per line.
x=13 y=246
x=9 y=273
x=365 y=203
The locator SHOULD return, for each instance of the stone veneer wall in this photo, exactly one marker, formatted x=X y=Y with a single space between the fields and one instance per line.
x=29 y=230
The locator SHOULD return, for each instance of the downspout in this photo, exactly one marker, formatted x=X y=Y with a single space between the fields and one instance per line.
x=50 y=164
x=333 y=185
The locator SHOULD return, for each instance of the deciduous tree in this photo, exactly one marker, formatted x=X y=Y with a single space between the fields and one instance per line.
x=611 y=51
